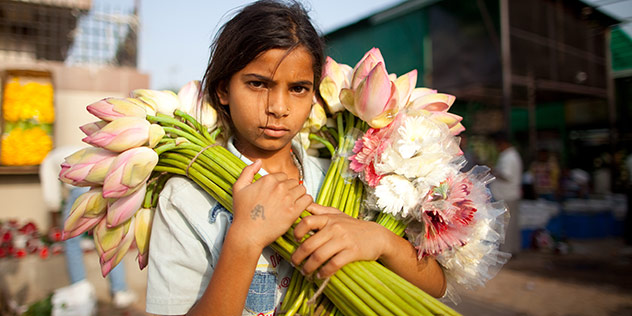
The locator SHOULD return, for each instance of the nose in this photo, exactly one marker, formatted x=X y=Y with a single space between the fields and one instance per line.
x=278 y=103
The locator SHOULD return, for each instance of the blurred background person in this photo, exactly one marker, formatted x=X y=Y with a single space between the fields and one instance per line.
x=79 y=297
x=507 y=188
x=545 y=173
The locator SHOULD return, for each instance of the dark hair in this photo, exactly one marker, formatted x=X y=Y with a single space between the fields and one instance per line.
x=259 y=27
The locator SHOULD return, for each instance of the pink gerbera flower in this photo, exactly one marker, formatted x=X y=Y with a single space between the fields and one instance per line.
x=367 y=149
x=446 y=213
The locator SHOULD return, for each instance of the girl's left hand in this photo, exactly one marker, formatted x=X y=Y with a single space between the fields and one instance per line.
x=338 y=239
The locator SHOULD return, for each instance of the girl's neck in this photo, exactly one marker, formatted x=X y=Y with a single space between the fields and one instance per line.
x=279 y=161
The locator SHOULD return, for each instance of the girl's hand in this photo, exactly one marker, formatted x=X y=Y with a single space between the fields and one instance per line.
x=339 y=239
x=265 y=209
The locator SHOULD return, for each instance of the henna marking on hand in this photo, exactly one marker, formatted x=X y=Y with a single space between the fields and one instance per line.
x=257 y=212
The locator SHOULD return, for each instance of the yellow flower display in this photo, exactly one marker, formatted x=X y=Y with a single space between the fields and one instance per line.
x=23 y=147
x=28 y=101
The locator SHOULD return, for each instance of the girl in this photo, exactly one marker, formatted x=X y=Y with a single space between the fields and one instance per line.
x=261 y=79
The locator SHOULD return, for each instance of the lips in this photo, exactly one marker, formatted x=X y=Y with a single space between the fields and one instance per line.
x=275 y=130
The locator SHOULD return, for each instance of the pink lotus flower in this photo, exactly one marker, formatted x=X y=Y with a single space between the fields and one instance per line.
x=110 y=109
x=122 y=209
x=335 y=78
x=438 y=104
x=446 y=212
x=86 y=212
x=112 y=243
x=86 y=167
x=129 y=171
x=375 y=97
x=126 y=132
x=93 y=127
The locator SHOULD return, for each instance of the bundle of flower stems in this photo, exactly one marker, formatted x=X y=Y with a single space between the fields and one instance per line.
x=359 y=288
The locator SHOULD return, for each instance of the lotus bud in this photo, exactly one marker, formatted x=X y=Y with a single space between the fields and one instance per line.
x=189 y=97
x=142 y=234
x=112 y=108
x=112 y=243
x=87 y=210
x=365 y=66
x=164 y=101
x=87 y=166
x=374 y=100
x=335 y=77
x=317 y=118
x=122 y=209
x=124 y=133
x=207 y=115
x=93 y=127
x=129 y=170
x=156 y=133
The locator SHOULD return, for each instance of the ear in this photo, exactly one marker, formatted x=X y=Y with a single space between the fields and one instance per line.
x=222 y=92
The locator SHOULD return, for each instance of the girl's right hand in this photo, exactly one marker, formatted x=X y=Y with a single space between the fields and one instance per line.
x=265 y=209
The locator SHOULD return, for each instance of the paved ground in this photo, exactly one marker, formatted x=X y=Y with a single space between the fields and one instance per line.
x=594 y=278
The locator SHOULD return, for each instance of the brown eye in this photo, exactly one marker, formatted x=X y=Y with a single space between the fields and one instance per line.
x=299 y=89
x=257 y=84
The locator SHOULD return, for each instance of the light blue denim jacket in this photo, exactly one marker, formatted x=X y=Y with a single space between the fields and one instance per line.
x=187 y=236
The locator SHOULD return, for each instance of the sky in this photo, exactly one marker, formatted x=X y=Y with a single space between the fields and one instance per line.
x=175 y=35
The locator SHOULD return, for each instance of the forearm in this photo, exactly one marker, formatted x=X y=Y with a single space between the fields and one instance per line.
x=228 y=288
x=401 y=258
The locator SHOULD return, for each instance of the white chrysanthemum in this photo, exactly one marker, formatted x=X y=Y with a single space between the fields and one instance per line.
x=416 y=133
x=396 y=195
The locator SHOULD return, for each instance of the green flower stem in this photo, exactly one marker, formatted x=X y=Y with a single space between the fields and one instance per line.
x=404 y=294
x=341 y=130
x=338 y=184
x=393 y=224
x=347 y=203
x=215 y=154
x=340 y=301
x=432 y=304
x=358 y=199
x=323 y=195
x=363 y=294
x=181 y=133
x=160 y=183
x=183 y=162
x=168 y=121
x=290 y=294
x=344 y=291
x=297 y=302
x=205 y=178
x=323 y=141
x=148 y=194
x=345 y=195
x=333 y=132
x=379 y=290
x=213 y=164
x=198 y=126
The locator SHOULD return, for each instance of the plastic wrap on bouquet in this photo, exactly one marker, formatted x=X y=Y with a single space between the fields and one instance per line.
x=478 y=260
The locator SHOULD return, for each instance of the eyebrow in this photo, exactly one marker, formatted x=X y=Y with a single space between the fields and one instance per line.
x=269 y=80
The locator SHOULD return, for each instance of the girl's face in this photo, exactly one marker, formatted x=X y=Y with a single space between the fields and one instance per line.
x=269 y=100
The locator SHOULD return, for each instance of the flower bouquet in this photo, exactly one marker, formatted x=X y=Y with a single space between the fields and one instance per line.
x=394 y=159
